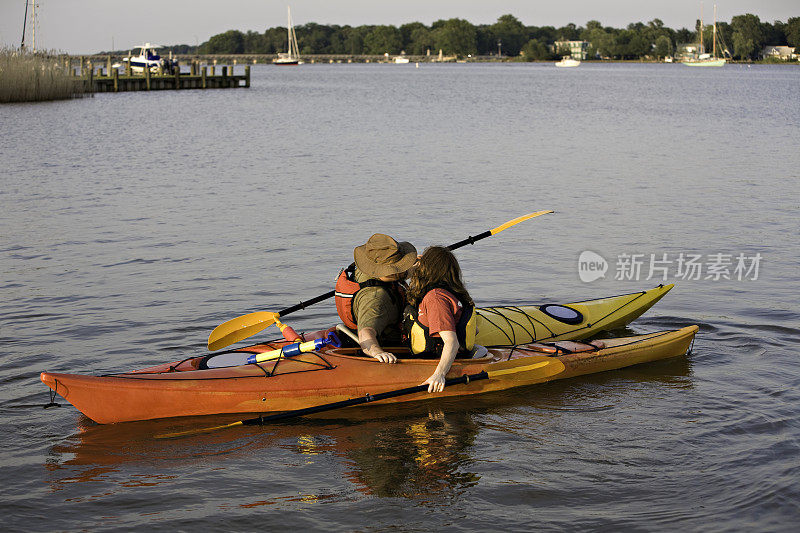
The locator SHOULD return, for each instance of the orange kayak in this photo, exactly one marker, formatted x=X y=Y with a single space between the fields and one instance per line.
x=190 y=388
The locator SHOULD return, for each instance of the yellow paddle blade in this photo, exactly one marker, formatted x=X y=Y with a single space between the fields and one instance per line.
x=240 y=328
x=517 y=220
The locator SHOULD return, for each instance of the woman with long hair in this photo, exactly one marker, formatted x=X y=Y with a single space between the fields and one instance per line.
x=440 y=317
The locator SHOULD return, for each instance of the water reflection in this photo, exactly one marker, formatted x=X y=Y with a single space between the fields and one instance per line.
x=410 y=459
x=418 y=450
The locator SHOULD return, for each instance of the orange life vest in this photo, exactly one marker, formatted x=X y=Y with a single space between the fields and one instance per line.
x=347 y=288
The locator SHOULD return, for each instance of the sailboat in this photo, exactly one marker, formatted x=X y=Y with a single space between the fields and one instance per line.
x=703 y=59
x=292 y=57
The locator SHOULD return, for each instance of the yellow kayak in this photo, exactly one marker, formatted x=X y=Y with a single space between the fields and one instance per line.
x=512 y=325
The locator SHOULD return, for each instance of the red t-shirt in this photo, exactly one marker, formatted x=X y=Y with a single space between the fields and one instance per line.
x=439 y=311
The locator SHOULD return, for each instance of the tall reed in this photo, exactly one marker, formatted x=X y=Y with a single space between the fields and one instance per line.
x=26 y=77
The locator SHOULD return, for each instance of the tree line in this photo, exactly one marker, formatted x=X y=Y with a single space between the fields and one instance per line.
x=744 y=37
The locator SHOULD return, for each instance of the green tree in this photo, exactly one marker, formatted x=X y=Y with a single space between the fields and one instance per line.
x=275 y=40
x=336 y=41
x=748 y=36
x=382 y=40
x=683 y=36
x=353 y=39
x=485 y=40
x=774 y=34
x=417 y=38
x=511 y=32
x=455 y=36
x=793 y=32
x=592 y=25
x=406 y=30
x=743 y=47
x=313 y=38
x=535 y=50
x=230 y=42
x=570 y=32
x=254 y=43
x=663 y=46
x=602 y=42
x=545 y=34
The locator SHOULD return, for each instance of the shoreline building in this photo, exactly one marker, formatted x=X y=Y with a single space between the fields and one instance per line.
x=786 y=53
x=577 y=49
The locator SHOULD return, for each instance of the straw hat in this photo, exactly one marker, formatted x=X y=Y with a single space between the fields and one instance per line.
x=384 y=256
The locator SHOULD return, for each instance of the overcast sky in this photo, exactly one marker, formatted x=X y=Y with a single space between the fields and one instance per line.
x=88 y=26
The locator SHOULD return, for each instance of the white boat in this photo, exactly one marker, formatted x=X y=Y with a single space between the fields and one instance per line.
x=144 y=56
x=292 y=57
x=568 y=62
x=703 y=59
x=401 y=59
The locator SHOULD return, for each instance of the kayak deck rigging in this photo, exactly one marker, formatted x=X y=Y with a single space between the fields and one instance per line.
x=516 y=325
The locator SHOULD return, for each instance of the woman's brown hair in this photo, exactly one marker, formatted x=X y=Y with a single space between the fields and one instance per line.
x=438 y=268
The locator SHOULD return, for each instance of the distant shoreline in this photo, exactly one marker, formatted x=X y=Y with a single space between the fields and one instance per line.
x=336 y=59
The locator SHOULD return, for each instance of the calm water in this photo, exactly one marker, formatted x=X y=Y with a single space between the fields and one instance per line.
x=132 y=224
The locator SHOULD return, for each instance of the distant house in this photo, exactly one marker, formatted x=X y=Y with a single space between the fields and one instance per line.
x=577 y=49
x=687 y=51
x=781 y=52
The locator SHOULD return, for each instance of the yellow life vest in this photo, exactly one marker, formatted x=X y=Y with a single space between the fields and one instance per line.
x=422 y=342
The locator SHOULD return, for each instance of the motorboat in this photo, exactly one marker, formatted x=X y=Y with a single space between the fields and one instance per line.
x=568 y=62
x=144 y=56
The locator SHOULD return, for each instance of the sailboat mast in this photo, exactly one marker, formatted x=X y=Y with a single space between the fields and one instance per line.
x=24 y=24
x=289 y=29
x=702 y=48
x=34 y=26
x=714 y=49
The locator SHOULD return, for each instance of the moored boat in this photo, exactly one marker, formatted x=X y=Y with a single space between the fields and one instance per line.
x=568 y=62
x=292 y=56
x=144 y=57
x=703 y=59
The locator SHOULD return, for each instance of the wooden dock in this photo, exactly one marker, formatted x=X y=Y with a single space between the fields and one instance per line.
x=105 y=79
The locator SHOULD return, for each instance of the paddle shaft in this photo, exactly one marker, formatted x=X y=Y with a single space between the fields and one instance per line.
x=303 y=305
x=466 y=378
x=261 y=420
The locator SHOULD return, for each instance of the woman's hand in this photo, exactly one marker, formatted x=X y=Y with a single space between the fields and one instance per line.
x=435 y=383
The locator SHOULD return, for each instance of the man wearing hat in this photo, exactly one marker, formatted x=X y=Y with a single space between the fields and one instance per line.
x=370 y=294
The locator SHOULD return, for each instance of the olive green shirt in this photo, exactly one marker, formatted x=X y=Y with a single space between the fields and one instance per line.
x=374 y=308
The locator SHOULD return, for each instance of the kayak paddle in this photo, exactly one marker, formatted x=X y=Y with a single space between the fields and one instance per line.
x=234 y=358
x=248 y=325
x=543 y=365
